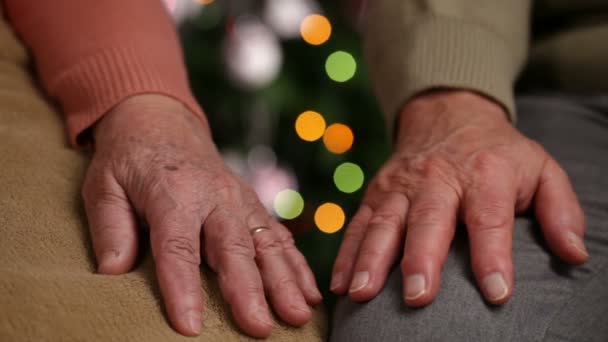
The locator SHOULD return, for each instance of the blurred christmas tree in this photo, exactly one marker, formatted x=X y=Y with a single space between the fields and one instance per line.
x=256 y=67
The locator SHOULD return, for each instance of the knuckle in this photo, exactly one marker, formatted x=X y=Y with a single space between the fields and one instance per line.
x=102 y=197
x=486 y=163
x=283 y=284
x=425 y=212
x=267 y=244
x=386 y=224
x=427 y=166
x=353 y=235
x=490 y=217
x=301 y=267
x=382 y=181
x=107 y=197
x=228 y=189
x=371 y=253
x=236 y=245
x=296 y=260
x=252 y=288
x=406 y=174
x=255 y=215
x=393 y=177
x=389 y=220
x=231 y=286
x=286 y=239
x=180 y=248
x=401 y=180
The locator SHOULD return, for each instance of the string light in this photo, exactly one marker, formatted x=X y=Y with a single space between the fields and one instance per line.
x=315 y=29
x=288 y=204
x=329 y=217
x=340 y=66
x=348 y=177
x=338 y=138
x=310 y=126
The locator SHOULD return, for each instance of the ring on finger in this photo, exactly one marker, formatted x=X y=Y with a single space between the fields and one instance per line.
x=256 y=230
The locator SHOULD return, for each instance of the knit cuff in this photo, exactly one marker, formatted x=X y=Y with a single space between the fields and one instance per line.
x=95 y=85
x=439 y=52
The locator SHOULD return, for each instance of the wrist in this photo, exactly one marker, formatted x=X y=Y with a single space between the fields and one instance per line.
x=147 y=112
x=458 y=98
x=446 y=109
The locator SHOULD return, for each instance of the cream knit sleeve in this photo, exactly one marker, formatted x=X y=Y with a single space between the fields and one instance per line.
x=415 y=45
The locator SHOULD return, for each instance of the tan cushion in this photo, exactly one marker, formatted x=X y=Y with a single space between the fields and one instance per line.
x=48 y=287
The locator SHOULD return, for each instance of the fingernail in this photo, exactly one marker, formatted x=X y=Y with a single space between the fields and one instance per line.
x=495 y=286
x=336 y=281
x=107 y=259
x=302 y=308
x=317 y=294
x=194 y=321
x=261 y=315
x=415 y=286
x=359 y=281
x=578 y=243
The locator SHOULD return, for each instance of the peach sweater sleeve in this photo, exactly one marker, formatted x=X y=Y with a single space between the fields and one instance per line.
x=92 y=54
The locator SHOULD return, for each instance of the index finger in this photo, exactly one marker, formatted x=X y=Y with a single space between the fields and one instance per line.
x=431 y=223
x=175 y=239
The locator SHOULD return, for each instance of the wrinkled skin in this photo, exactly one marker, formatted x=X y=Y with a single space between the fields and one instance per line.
x=456 y=159
x=154 y=160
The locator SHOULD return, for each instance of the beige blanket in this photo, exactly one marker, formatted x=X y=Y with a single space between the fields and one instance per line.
x=48 y=287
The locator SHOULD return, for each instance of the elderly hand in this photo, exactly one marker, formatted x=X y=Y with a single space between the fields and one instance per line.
x=456 y=158
x=155 y=160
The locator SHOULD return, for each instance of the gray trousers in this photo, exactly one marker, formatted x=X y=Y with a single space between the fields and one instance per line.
x=552 y=301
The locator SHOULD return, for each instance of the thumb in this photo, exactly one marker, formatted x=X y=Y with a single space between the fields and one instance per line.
x=112 y=222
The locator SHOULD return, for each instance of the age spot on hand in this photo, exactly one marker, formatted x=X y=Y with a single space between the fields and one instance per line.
x=171 y=168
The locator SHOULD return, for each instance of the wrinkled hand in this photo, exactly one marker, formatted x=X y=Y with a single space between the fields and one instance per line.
x=153 y=159
x=456 y=158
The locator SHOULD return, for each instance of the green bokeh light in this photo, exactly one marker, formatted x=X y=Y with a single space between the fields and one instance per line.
x=288 y=204
x=340 y=66
x=348 y=177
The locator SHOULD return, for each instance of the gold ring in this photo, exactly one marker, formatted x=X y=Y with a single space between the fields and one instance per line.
x=256 y=230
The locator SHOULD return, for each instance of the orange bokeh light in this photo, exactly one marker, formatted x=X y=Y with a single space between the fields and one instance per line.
x=310 y=126
x=329 y=218
x=338 y=138
x=315 y=29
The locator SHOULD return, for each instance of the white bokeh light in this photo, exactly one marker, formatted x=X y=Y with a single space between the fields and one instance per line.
x=259 y=168
x=253 y=53
x=183 y=9
x=285 y=16
x=261 y=157
x=268 y=182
